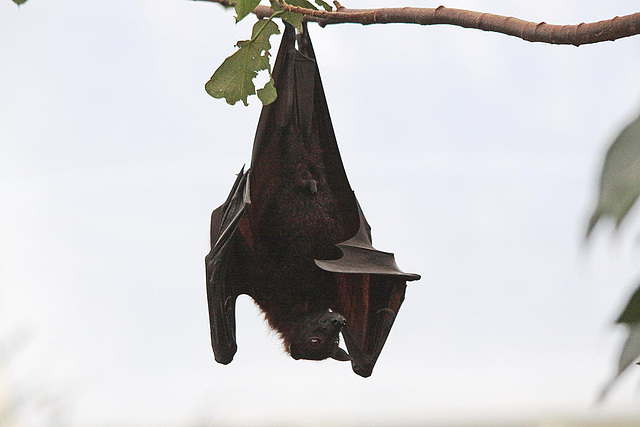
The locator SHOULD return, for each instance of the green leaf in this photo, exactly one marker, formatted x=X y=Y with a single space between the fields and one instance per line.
x=233 y=80
x=620 y=179
x=294 y=19
x=268 y=93
x=323 y=4
x=19 y=2
x=302 y=3
x=262 y=31
x=245 y=7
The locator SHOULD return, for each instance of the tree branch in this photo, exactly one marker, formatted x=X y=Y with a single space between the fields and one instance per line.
x=594 y=32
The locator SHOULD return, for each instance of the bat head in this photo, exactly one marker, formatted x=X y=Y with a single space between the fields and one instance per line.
x=316 y=337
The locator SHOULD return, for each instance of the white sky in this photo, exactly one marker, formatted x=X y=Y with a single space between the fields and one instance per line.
x=475 y=157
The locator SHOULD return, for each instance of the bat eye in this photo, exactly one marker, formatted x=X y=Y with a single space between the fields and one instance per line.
x=314 y=342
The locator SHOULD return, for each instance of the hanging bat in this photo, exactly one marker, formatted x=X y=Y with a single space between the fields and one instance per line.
x=292 y=235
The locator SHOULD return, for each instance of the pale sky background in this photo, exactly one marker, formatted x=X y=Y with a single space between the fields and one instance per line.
x=475 y=157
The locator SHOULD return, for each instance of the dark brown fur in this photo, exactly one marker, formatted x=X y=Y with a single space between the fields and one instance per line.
x=301 y=225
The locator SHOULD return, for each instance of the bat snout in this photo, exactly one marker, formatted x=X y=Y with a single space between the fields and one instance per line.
x=333 y=320
x=339 y=320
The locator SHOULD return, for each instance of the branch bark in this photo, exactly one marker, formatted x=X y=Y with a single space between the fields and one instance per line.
x=594 y=32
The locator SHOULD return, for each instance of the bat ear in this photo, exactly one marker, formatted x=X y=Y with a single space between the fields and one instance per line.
x=340 y=354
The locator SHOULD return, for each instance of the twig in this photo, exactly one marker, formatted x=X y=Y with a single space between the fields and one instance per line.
x=594 y=32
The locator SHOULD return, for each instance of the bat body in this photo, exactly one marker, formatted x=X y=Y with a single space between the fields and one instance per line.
x=292 y=235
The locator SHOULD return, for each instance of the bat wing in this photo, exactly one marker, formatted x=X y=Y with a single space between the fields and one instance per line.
x=360 y=257
x=370 y=286
x=370 y=291
x=227 y=267
x=300 y=115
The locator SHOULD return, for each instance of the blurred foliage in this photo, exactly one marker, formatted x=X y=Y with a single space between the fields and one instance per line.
x=620 y=179
x=631 y=314
x=233 y=80
x=618 y=192
x=19 y=2
x=630 y=317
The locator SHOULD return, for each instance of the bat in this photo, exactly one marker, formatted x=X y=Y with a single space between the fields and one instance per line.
x=293 y=237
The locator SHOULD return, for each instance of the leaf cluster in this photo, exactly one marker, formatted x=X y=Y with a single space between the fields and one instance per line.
x=233 y=80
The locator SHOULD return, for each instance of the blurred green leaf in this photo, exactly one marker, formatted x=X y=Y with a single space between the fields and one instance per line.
x=631 y=313
x=630 y=317
x=233 y=80
x=19 y=2
x=630 y=352
x=620 y=179
x=245 y=7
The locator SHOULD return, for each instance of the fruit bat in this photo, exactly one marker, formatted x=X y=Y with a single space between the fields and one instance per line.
x=292 y=236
